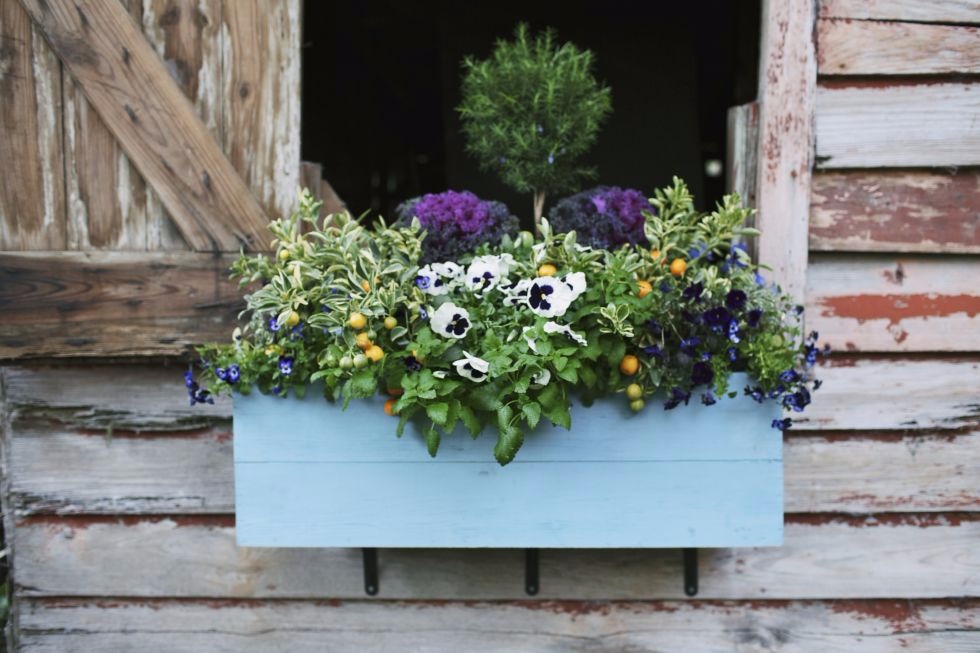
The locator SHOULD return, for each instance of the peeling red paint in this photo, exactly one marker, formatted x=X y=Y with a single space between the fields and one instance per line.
x=896 y=308
x=902 y=616
x=874 y=520
x=219 y=434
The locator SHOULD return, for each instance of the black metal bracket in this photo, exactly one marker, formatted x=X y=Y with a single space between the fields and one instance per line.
x=531 y=573
x=371 y=585
x=691 y=572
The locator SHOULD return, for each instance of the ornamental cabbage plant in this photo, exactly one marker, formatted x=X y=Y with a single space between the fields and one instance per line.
x=500 y=337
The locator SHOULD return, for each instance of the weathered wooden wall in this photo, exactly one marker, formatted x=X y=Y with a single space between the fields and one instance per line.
x=118 y=498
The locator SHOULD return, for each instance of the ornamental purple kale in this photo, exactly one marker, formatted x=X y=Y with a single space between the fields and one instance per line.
x=456 y=223
x=605 y=216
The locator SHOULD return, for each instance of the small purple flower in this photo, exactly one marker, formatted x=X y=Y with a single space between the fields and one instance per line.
x=551 y=159
x=789 y=376
x=816 y=384
x=753 y=317
x=654 y=327
x=189 y=381
x=732 y=354
x=423 y=282
x=285 y=365
x=296 y=332
x=735 y=299
x=233 y=373
x=412 y=364
x=274 y=324
x=653 y=351
x=717 y=318
x=676 y=397
x=733 y=331
x=760 y=280
x=708 y=399
x=702 y=373
x=688 y=345
x=782 y=424
x=276 y=389
x=221 y=373
x=696 y=251
x=756 y=393
x=693 y=292
x=423 y=314
x=200 y=397
x=665 y=287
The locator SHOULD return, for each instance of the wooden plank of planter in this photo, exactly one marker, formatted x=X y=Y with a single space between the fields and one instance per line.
x=32 y=189
x=113 y=303
x=886 y=395
x=858 y=394
x=923 y=11
x=52 y=469
x=524 y=627
x=908 y=303
x=917 y=556
x=846 y=47
x=896 y=211
x=125 y=81
x=857 y=124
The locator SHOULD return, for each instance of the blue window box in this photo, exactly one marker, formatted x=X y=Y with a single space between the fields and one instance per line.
x=309 y=474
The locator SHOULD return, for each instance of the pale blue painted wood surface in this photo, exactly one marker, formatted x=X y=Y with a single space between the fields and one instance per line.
x=309 y=474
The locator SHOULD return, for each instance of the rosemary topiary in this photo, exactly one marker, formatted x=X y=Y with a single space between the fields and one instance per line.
x=531 y=111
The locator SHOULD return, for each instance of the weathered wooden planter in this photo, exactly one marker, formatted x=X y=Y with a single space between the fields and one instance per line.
x=308 y=474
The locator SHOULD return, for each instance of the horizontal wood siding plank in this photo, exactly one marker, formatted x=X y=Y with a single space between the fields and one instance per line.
x=896 y=211
x=864 y=394
x=884 y=303
x=525 y=627
x=911 y=125
x=848 y=47
x=111 y=303
x=56 y=470
x=925 y=11
x=157 y=127
x=894 y=395
x=914 y=557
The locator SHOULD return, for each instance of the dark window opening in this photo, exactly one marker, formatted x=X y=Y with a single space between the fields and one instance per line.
x=381 y=82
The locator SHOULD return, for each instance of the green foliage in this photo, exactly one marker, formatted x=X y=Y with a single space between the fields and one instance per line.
x=300 y=304
x=532 y=110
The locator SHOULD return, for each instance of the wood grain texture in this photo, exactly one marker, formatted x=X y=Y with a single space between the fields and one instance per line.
x=910 y=125
x=113 y=303
x=877 y=394
x=924 y=556
x=261 y=75
x=787 y=80
x=32 y=192
x=125 y=81
x=896 y=211
x=924 y=11
x=885 y=303
x=895 y=395
x=848 y=47
x=55 y=468
x=524 y=627
x=742 y=166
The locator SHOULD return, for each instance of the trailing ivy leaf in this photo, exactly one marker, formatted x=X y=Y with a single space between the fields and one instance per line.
x=486 y=397
x=509 y=441
x=532 y=413
x=432 y=440
x=470 y=420
x=438 y=412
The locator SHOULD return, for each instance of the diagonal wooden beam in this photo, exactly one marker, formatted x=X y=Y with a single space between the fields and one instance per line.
x=127 y=83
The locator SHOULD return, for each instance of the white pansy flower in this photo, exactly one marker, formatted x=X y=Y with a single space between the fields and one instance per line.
x=448 y=269
x=430 y=281
x=549 y=297
x=554 y=327
x=485 y=273
x=450 y=321
x=472 y=368
x=515 y=293
x=576 y=283
x=542 y=377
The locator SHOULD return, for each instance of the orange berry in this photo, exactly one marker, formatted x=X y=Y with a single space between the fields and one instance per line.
x=390 y=407
x=654 y=254
x=375 y=353
x=362 y=341
x=645 y=288
x=357 y=321
x=677 y=267
x=390 y=323
x=547 y=270
x=630 y=365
